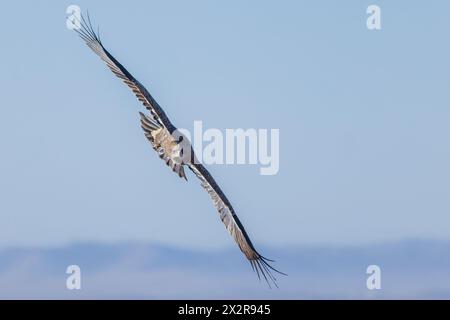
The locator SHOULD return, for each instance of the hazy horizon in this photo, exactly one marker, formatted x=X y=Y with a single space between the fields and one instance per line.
x=414 y=269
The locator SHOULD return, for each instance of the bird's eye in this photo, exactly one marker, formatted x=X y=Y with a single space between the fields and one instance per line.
x=180 y=139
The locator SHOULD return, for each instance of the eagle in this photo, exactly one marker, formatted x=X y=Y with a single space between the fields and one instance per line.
x=175 y=150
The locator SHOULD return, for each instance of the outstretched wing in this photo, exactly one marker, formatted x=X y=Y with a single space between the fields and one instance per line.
x=92 y=39
x=233 y=225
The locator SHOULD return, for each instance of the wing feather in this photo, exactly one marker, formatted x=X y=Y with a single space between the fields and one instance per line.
x=233 y=225
x=148 y=125
x=92 y=39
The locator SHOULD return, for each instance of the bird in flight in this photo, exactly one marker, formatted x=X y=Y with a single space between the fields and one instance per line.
x=177 y=152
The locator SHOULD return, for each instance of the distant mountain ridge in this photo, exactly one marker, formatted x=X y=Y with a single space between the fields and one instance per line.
x=409 y=269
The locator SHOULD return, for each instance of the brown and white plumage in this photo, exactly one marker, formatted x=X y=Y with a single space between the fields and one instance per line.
x=160 y=132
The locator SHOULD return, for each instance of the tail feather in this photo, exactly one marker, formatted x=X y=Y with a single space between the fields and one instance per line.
x=178 y=168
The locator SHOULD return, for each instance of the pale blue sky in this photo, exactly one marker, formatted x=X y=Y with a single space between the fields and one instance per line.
x=363 y=118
